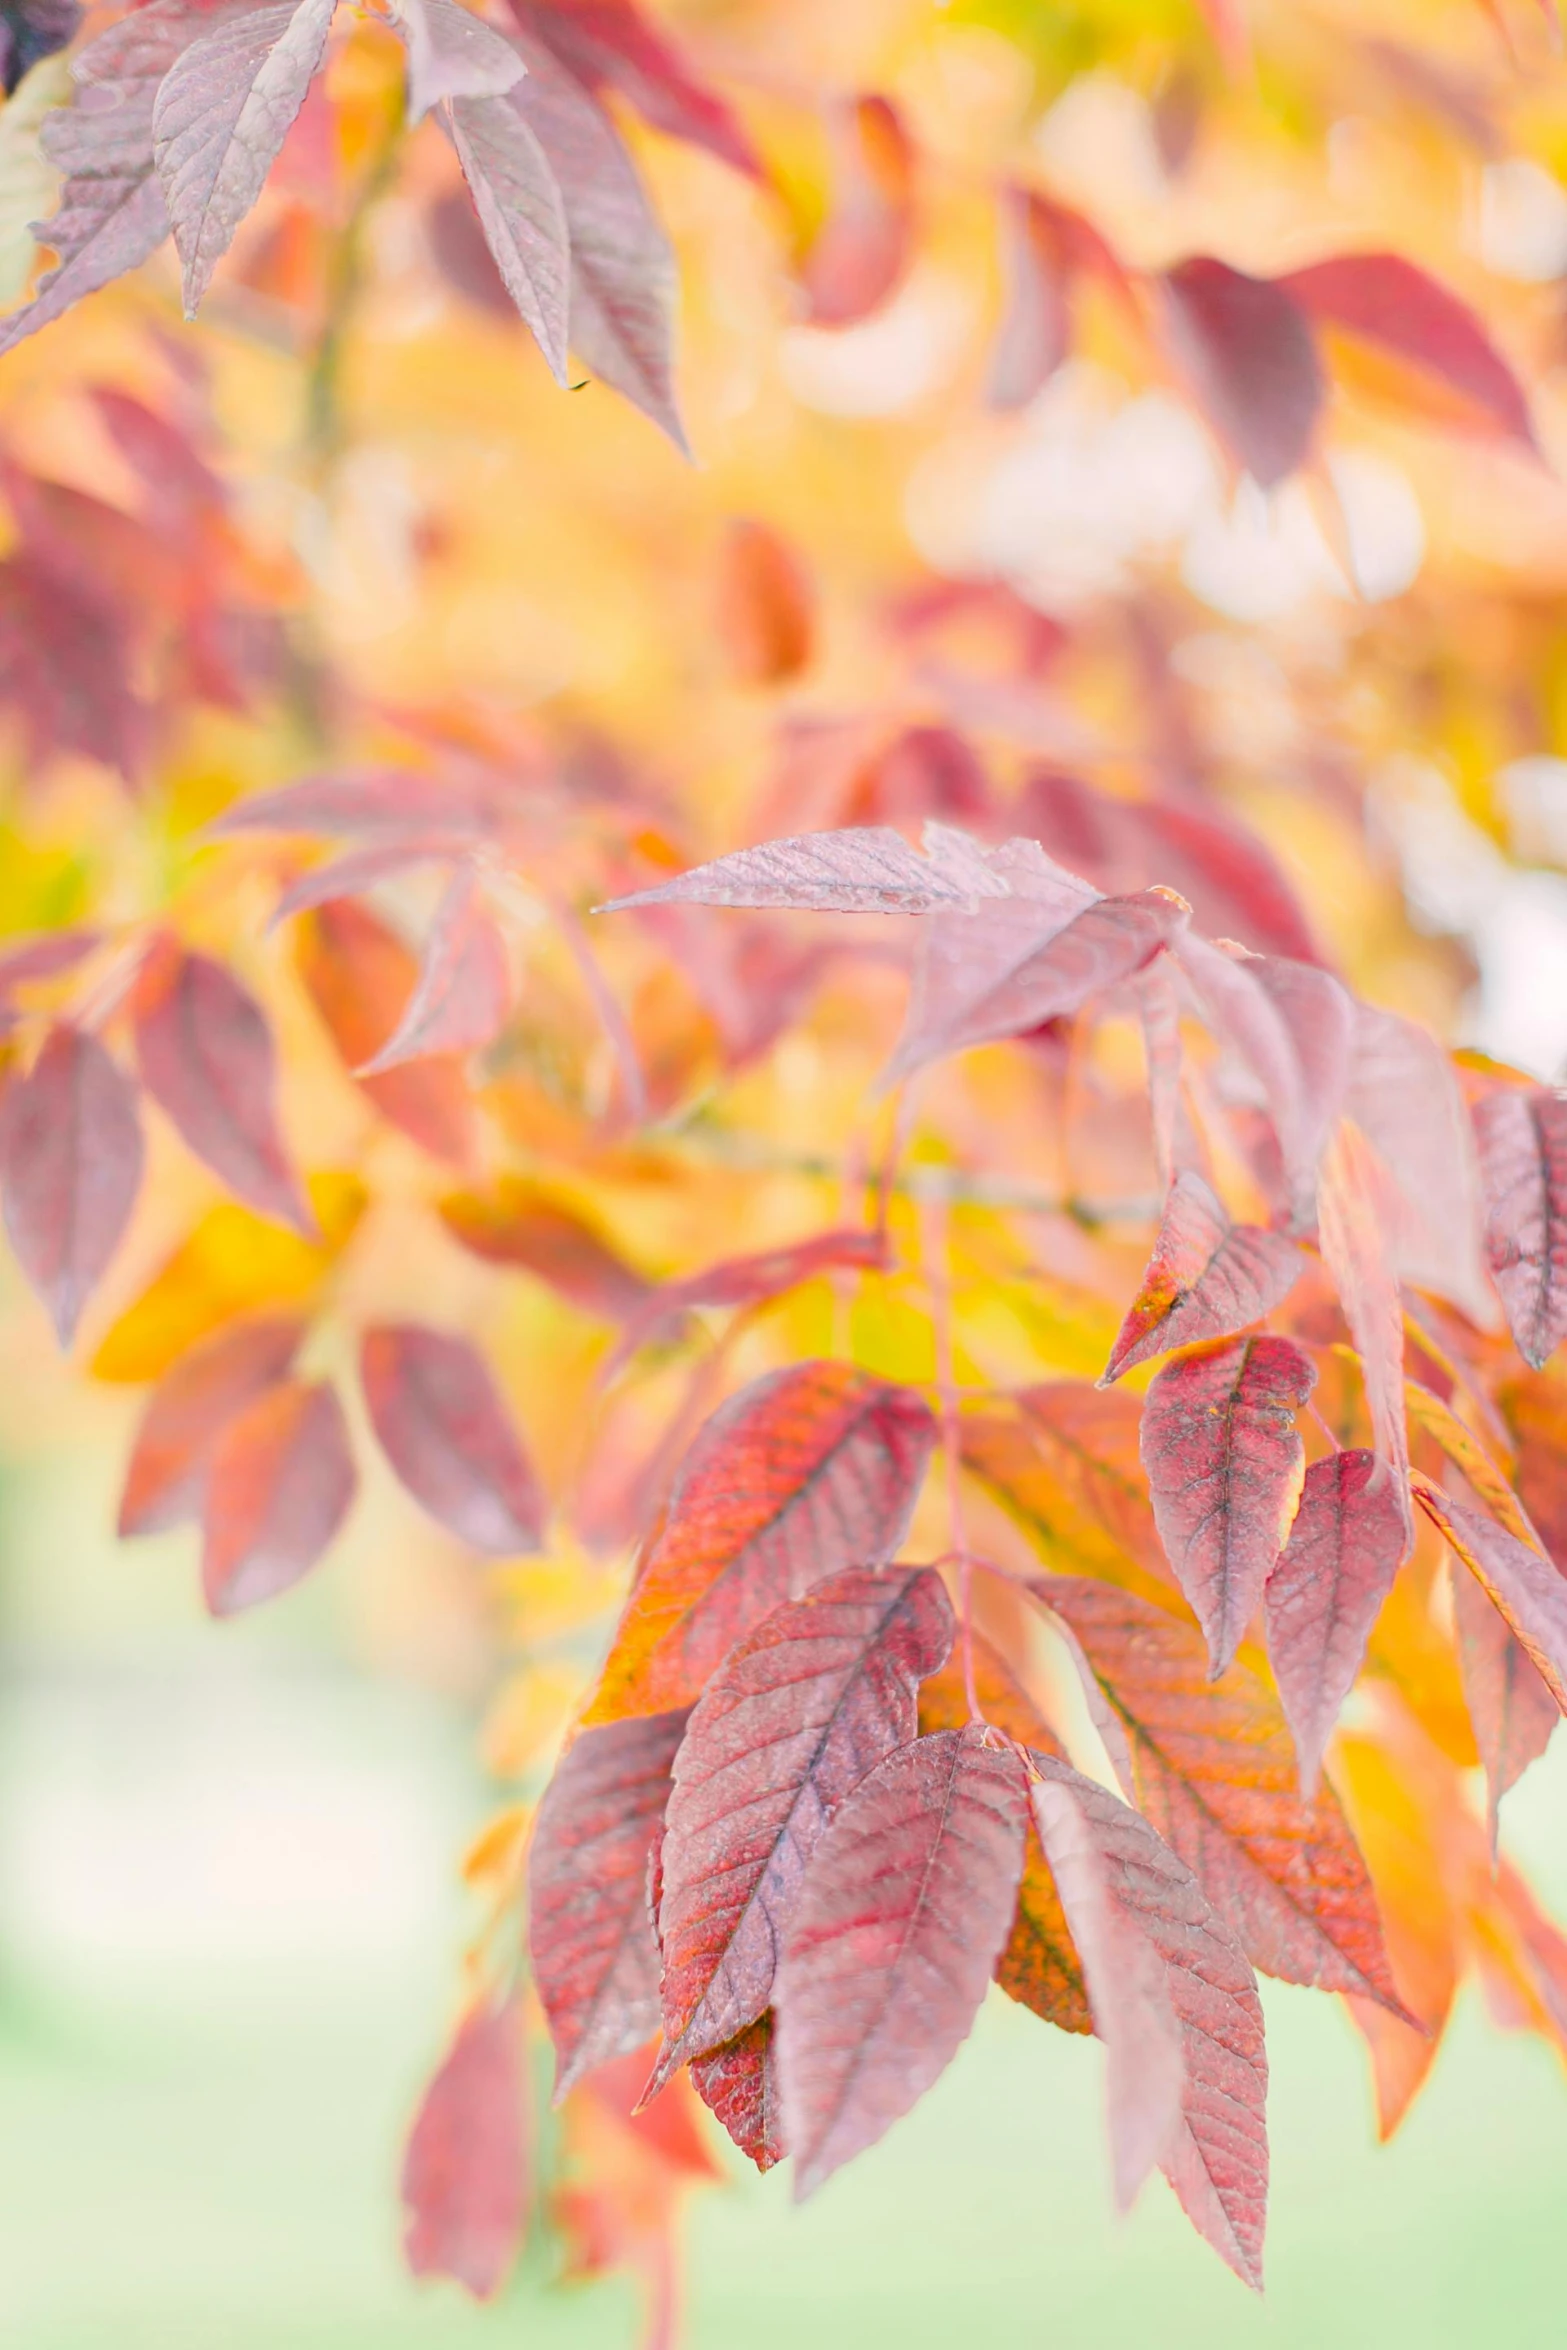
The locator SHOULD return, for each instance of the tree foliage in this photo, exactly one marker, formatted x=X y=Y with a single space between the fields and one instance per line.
x=837 y=1059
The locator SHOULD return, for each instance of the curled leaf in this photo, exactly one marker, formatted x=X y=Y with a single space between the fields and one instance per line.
x=865 y=243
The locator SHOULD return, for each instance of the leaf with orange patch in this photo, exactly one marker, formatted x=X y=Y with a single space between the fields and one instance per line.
x=1207 y=1278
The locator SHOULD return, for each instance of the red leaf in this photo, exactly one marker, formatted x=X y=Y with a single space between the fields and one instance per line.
x=1248 y=352
x=1354 y=1217
x=804 y=1472
x=1211 y=1765
x=206 y=1056
x=446 y=1433
x=166 y=1482
x=864 y=870
x=465 y=2183
x=220 y=117
x=70 y=1168
x=595 y=1960
x=360 y=976
x=900 y=1921
x=1294 y=1026
x=1406 y=1100
x=463 y=993
x=1511 y=1708
x=1108 y=941
x=1349 y=1538
x=611 y=41
x=518 y=1224
x=1386 y=300
x=1046 y=247
x=623 y=279
x=766 y=605
x=111 y=214
x=1523 y=1170
x=1525 y=1587
x=1206 y=1279
x=1225 y=1464
x=799 y=1711
x=741 y=1281
x=280 y=1484
x=1176 y=2003
x=1070 y=1470
x=521 y=211
x=738 y=2084
x=865 y=243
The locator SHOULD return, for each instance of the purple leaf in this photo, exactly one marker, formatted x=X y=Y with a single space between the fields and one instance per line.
x=1525 y=1586
x=1345 y=1547
x=522 y=215
x=1512 y=1710
x=905 y=1907
x=207 y=1058
x=864 y=870
x=464 y=988
x=446 y=1433
x=1405 y=1098
x=1167 y=1980
x=280 y=1485
x=622 y=266
x=374 y=800
x=452 y=54
x=610 y=41
x=1225 y=1465
x=71 y=1157
x=1207 y=1278
x=1523 y=1169
x=361 y=869
x=797 y=1714
x=220 y=119
x=594 y=1957
x=1248 y=352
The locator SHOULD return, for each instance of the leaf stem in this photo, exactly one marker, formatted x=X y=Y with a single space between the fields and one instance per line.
x=324 y=431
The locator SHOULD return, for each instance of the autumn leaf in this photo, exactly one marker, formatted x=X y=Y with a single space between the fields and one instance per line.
x=804 y=1472
x=166 y=1481
x=1512 y=1710
x=206 y=1056
x=612 y=41
x=71 y=1157
x=1067 y=1466
x=1386 y=300
x=279 y=1486
x=740 y=1281
x=221 y=115
x=1245 y=347
x=463 y=993
x=1175 y=2001
x=521 y=1224
x=1225 y=1464
x=1405 y=1099
x=1354 y=1216
x=521 y=212
x=738 y=2083
x=863 y=249
x=1346 y=1545
x=1523 y=1586
x=452 y=54
x=1211 y=1765
x=361 y=977
x=799 y=1711
x=465 y=2170
x=864 y=870
x=1523 y=1168
x=594 y=1957
x=444 y=1429
x=383 y=802
x=765 y=606
x=1206 y=1278
x=900 y=1920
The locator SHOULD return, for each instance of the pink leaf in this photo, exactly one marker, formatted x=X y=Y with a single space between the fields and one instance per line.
x=1406 y=1100
x=1353 y=1219
x=220 y=117
x=611 y=41
x=464 y=2185
x=1523 y=1170
x=207 y=1058
x=1387 y=300
x=1526 y=1587
x=375 y=800
x=865 y=242
x=350 y=875
x=166 y=1482
x=738 y=2084
x=1225 y=1466
x=799 y=1711
x=443 y=1427
x=1207 y=1278
x=1160 y=1009
x=463 y=993
x=522 y=214
x=1512 y=1710
x=594 y=1957
x=900 y=1921
x=1167 y=1978
x=739 y=1281
x=111 y=213
x=71 y=1157
x=868 y=870
x=1110 y=940
x=45 y=957
x=1345 y=1547
x=621 y=312
x=280 y=1485
x=452 y=54
x=1294 y=1027
x=1046 y=247
x=1248 y=352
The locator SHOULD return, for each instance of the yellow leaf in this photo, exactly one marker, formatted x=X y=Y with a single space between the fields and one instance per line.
x=233 y=1263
